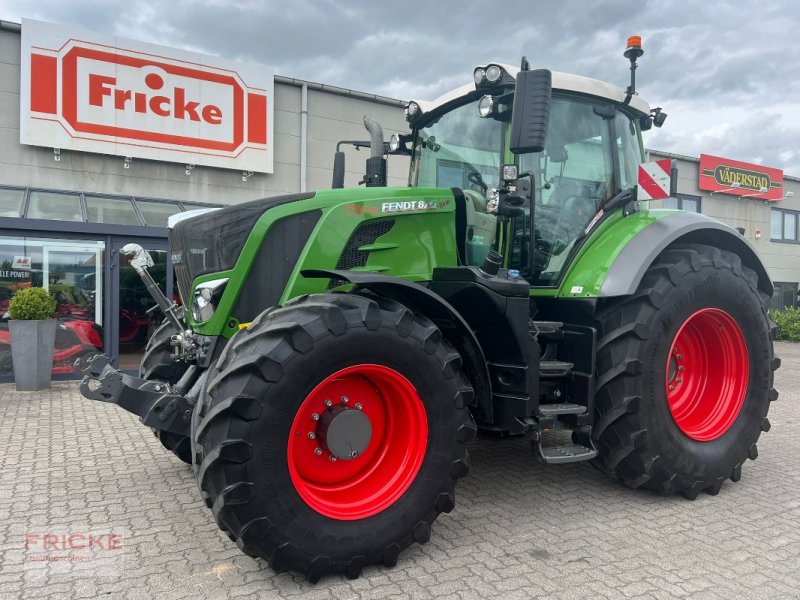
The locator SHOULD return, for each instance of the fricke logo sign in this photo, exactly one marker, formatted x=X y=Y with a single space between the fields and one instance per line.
x=86 y=92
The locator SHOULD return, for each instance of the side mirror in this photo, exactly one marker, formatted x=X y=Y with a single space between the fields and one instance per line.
x=531 y=112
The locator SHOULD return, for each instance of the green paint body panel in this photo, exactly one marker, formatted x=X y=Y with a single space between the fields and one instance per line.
x=587 y=271
x=423 y=237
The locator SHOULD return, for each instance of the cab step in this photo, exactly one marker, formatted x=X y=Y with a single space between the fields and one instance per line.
x=549 y=330
x=564 y=408
x=559 y=455
x=554 y=368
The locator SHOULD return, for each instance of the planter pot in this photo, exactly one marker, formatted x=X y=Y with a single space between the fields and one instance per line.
x=32 y=345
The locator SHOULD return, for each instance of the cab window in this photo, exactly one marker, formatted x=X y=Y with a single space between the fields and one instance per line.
x=574 y=176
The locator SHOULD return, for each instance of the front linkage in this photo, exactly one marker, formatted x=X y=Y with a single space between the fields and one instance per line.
x=158 y=404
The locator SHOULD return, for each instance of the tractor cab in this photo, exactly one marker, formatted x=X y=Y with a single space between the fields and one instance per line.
x=533 y=201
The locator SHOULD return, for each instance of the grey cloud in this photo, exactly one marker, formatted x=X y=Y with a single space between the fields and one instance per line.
x=712 y=55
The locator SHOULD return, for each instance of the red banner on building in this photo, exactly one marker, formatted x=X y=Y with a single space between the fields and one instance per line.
x=728 y=176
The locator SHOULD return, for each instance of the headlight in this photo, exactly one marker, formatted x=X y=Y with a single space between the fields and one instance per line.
x=412 y=110
x=479 y=75
x=206 y=299
x=485 y=106
x=493 y=73
x=510 y=172
x=394 y=143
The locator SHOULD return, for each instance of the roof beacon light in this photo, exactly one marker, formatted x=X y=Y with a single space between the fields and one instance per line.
x=632 y=52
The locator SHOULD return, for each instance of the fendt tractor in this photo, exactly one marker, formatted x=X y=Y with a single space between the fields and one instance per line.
x=336 y=351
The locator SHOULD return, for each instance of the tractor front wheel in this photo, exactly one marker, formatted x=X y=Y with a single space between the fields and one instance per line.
x=332 y=432
x=157 y=365
x=684 y=374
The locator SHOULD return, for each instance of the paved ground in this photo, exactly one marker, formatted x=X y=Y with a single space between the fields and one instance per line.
x=70 y=467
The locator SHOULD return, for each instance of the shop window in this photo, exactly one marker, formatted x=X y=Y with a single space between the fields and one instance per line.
x=70 y=270
x=118 y=211
x=682 y=202
x=56 y=206
x=784 y=295
x=783 y=226
x=11 y=202
x=156 y=213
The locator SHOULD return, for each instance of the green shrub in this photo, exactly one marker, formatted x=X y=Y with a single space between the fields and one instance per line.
x=788 y=322
x=32 y=303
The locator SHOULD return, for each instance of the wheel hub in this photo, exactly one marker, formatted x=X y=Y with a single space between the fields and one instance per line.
x=344 y=432
x=707 y=374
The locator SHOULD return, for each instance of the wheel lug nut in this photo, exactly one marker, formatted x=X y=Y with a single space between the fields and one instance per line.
x=680 y=357
x=358 y=406
x=681 y=368
x=332 y=458
x=678 y=380
x=311 y=435
x=354 y=454
x=328 y=403
x=345 y=399
x=317 y=451
x=672 y=387
x=315 y=417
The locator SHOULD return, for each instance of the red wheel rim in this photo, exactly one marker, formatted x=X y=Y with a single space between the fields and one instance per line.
x=707 y=374
x=359 y=487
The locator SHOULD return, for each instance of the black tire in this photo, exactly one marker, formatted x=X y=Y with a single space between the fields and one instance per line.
x=157 y=365
x=636 y=436
x=179 y=445
x=156 y=362
x=246 y=414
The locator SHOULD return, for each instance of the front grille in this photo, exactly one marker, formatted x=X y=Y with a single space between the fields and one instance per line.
x=212 y=242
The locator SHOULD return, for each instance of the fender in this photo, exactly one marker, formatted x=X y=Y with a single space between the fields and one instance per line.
x=636 y=256
x=453 y=326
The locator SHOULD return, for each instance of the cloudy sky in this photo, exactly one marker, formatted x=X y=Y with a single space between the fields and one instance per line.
x=728 y=73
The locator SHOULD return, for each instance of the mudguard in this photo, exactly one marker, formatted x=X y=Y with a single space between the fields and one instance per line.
x=631 y=263
x=453 y=326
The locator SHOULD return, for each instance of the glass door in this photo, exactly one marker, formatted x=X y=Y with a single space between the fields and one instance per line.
x=132 y=320
x=71 y=270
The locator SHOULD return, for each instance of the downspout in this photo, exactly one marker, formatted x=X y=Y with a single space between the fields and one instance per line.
x=303 y=135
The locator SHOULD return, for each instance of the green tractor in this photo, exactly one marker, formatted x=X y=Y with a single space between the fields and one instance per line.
x=338 y=350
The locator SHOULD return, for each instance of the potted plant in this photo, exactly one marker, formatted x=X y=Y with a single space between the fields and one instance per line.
x=32 y=326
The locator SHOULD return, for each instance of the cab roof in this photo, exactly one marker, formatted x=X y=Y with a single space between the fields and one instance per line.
x=561 y=81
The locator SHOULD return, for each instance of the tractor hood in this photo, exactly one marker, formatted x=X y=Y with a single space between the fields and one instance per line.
x=212 y=241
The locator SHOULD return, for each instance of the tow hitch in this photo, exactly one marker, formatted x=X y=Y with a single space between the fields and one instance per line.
x=157 y=404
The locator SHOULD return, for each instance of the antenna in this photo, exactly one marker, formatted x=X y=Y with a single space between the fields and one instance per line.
x=632 y=52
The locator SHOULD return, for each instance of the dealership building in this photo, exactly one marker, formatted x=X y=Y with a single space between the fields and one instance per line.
x=102 y=139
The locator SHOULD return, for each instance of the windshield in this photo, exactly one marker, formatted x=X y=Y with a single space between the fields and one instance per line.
x=460 y=150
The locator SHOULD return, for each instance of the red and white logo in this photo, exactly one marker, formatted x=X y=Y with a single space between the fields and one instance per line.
x=134 y=99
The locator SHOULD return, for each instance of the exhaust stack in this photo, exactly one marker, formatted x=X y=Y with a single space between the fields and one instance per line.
x=376 y=163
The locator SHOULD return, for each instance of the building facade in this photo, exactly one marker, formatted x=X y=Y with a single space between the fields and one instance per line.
x=770 y=225
x=80 y=181
x=66 y=214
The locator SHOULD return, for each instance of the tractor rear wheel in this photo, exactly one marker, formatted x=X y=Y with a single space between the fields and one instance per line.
x=684 y=374
x=332 y=432
x=158 y=365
